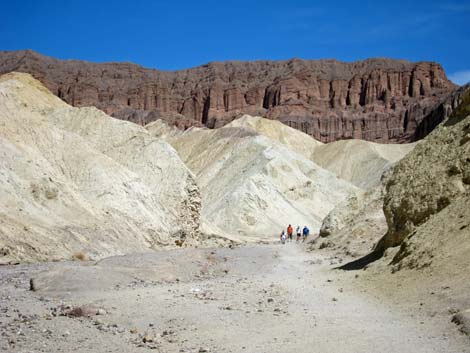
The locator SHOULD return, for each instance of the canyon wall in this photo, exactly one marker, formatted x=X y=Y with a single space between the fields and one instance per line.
x=380 y=100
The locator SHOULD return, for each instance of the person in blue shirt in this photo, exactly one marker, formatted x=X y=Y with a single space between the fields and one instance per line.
x=305 y=233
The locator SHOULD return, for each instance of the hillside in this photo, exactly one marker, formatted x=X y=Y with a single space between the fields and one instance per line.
x=276 y=131
x=252 y=186
x=425 y=202
x=75 y=180
x=360 y=162
x=426 y=197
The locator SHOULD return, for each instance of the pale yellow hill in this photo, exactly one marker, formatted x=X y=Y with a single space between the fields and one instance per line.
x=279 y=132
x=360 y=162
x=76 y=180
x=253 y=186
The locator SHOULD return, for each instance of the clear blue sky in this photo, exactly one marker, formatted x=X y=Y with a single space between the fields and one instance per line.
x=179 y=34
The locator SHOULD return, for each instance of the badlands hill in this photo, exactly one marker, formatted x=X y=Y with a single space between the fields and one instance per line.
x=275 y=130
x=380 y=100
x=258 y=175
x=75 y=180
x=252 y=186
x=360 y=162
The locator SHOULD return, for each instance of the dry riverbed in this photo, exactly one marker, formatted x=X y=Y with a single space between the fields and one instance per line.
x=266 y=298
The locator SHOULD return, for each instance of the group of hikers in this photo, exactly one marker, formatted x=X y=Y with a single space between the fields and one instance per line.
x=300 y=234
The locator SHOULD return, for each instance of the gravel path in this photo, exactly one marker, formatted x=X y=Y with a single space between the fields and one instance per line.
x=251 y=299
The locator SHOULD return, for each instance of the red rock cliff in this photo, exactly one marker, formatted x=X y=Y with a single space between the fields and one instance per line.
x=380 y=100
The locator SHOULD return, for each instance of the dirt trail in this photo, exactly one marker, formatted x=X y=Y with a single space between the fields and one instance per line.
x=262 y=299
x=330 y=315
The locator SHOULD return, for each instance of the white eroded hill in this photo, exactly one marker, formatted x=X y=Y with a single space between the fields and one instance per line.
x=279 y=132
x=253 y=186
x=360 y=162
x=76 y=180
x=357 y=161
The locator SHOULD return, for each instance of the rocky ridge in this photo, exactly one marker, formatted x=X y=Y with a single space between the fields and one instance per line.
x=381 y=100
x=440 y=166
x=426 y=200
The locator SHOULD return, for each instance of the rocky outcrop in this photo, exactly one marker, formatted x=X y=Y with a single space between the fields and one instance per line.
x=354 y=225
x=427 y=197
x=441 y=112
x=380 y=100
x=428 y=180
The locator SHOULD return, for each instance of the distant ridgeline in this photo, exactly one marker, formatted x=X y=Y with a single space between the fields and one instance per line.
x=380 y=100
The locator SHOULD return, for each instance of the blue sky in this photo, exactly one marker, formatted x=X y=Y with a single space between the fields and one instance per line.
x=179 y=34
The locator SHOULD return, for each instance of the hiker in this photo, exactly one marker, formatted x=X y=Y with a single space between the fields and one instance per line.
x=305 y=233
x=290 y=230
x=298 y=233
x=283 y=237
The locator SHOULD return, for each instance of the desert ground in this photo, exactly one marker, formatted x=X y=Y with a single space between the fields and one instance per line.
x=257 y=298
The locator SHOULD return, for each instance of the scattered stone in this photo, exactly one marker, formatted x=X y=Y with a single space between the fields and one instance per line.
x=167 y=333
x=270 y=300
x=326 y=244
x=133 y=330
x=147 y=339
x=462 y=319
x=101 y=312
x=82 y=311
x=102 y=328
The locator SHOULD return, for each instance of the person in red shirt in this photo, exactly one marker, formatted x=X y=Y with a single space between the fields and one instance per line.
x=290 y=230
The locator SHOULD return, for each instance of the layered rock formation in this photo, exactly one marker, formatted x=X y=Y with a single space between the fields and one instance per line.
x=75 y=180
x=377 y=99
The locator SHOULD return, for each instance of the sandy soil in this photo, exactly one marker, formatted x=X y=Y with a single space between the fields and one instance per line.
x=265 y=298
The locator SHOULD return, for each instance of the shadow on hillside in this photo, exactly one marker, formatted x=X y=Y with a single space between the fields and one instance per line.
x=362 y=262
x=463 y=109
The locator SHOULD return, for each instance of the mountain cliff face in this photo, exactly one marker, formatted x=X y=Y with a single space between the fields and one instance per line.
x=381 y=100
